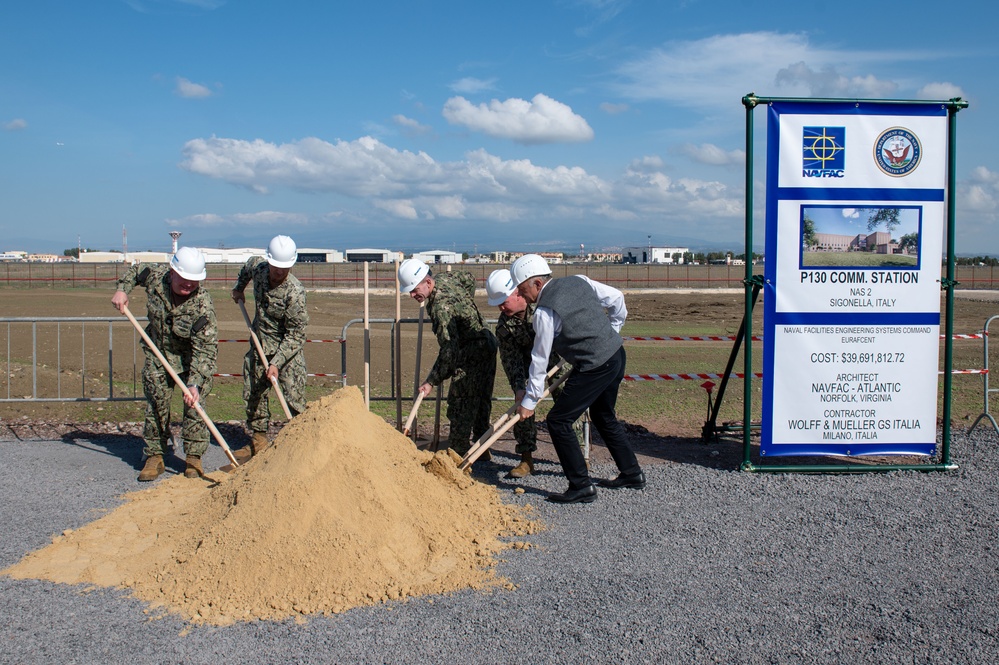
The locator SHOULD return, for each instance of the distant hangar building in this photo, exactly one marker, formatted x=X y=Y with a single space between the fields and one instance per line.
x=439 y=256
x=230 y=254
x=372 y=256
x=118 y=257
x=653 y=254
x=313 y=255
x=238 y=255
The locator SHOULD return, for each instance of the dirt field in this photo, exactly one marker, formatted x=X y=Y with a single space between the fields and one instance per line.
x=665 y=417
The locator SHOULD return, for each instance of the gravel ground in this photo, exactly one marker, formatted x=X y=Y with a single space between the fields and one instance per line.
x=704 y=565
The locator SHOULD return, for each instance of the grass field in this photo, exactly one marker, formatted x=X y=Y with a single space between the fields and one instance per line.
x=858 y=260
x=663 y=408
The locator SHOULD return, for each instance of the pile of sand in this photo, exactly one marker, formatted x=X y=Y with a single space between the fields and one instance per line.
x=341 y=511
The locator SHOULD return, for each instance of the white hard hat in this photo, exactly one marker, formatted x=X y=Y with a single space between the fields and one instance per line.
x=282 y=252
x=189 y=263
x=499 y=286
x=528 y=266
x=411 y=273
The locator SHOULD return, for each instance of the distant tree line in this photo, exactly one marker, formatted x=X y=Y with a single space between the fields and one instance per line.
x=977 y=260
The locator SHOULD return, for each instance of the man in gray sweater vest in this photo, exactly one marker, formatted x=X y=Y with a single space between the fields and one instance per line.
x=580 y=319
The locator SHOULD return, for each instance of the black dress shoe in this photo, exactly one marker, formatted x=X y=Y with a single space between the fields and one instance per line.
x=635 y=482
x=583 y=495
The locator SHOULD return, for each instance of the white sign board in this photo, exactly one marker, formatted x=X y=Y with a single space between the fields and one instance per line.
x=855 y=220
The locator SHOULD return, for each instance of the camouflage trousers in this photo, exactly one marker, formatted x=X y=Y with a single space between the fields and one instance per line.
x=158 y=388
x=291 y=378
x=469 y=399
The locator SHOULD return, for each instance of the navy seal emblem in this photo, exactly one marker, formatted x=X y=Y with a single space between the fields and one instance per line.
x=897 y=152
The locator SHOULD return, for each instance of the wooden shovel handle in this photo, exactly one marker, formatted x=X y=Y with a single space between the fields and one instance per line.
x=183 y=387
x=412 y=413
x=479 y=448
x=263 y=359
x=509 y=412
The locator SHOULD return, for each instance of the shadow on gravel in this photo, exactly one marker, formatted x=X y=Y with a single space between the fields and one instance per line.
x=125 y=446
x=495 y=473
x=128 y=445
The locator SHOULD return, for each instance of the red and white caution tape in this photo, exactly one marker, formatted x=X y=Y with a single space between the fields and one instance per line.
x=682 y=377
x=312 y=341
x=338 y=376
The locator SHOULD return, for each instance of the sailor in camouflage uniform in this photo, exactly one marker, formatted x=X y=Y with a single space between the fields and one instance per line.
x=467 y=348
x=182 y=325
x=280 y=322
x=515 y=334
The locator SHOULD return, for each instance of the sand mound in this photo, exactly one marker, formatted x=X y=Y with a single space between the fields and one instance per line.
x=341 y=511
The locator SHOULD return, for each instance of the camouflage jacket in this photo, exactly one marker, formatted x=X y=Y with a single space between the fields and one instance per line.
x=456 y=321
x=281 y=314
x=186 y=334
x=516 y=340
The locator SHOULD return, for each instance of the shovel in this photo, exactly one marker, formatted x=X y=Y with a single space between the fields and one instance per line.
x=412 y=413
x=481 y=447
x=502 y=419
x=183 y=387
x=263 y=359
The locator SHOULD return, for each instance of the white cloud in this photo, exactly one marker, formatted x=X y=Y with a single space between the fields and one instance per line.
x=980 y=193
x=481 y=187
x=542 y=120
x=599 y=12
x=647 y=164
x=364 y=167
x=940 y=91
x=16 y=124
x=707 y=153
x=261 y=218
x=613 y=109
x=402 y=208
x=472 y=86
x=203 y=219
x=409 y=125
x=723 y=68
x=191 y=90
x=828 y=82
x=850 y=213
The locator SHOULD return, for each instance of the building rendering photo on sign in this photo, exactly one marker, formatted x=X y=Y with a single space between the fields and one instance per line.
x=855 y=223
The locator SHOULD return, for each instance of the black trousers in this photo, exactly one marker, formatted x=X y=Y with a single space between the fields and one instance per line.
x=596 y=390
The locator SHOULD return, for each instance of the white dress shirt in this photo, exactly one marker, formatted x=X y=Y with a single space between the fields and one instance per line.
x=548 y=325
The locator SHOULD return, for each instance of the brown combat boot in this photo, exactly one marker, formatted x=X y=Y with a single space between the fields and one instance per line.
x=525 y=468
x=193 y=468
x=153 y=468
x=259 y=442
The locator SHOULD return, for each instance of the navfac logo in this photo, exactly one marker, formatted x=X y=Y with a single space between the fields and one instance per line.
x=823 y=152
x=897 y=152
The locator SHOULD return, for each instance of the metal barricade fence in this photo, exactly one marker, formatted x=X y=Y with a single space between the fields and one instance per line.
x=35 y=353
x=987 y=390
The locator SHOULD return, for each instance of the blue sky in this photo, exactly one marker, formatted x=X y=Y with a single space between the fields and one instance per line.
x=426 y=125
x=843 y=220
